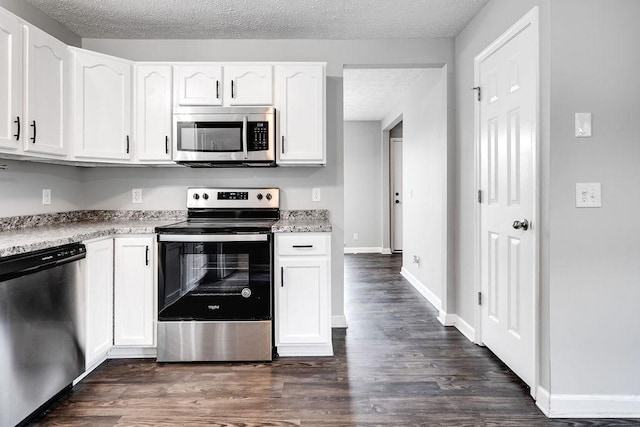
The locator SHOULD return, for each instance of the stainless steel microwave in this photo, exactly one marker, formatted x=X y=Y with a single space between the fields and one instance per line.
x=219 y=136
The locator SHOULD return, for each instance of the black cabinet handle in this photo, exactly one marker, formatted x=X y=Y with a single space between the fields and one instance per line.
x=17 y=135
x=166 y=144
x=232 y=93
x=127 y=144
x=218 y=89
x=302 y=246
x=33 y=125
x=282 y=145
x=146 y=256
x=282 y=277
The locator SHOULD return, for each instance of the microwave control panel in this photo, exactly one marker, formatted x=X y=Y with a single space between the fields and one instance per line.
x=258 y=136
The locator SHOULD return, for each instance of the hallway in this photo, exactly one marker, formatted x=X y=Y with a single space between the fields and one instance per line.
x=394 y=366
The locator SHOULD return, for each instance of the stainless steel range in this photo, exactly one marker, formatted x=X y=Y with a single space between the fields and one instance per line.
x=215 y=278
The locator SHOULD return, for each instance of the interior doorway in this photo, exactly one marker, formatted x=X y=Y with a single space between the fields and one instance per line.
x=395 y=191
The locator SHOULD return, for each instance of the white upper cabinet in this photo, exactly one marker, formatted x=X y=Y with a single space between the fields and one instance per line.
x=102 y=106
x=45 y=93
x=300 y=102
x=248 y=84
x=197 y=85
x=226 y=85
x=11 y=125
x=153 y=112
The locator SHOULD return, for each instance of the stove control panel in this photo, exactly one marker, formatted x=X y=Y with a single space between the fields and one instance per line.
x=206 y=197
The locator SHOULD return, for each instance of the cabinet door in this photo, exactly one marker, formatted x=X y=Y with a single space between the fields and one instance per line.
x=153 y=112
x=99 y=300
x=134 y=292
x=302 y=301
x=197 y=85
x=46 y=71
x=10 y=83
x=102 y=106
x=249 y=85
x=300 y=101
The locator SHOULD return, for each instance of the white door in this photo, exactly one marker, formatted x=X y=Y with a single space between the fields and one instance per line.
x=507 y=76
x=134 y=297
x=10 y=83
x=197 y=85
x=153 y=112
x=396 y=194
x=102 y=106
x=46 y=69
x=249 y=85
x=300 y=105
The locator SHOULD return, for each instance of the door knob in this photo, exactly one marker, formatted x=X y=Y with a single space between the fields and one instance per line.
x=524 y=224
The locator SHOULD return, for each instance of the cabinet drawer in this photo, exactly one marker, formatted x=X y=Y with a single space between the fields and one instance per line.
x=303 y=244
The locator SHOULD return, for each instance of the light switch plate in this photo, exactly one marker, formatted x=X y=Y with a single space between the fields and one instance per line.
x=588 y=195
x=583 y=125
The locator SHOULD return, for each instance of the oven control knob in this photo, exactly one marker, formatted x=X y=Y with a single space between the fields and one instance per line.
x=205 y=196
x=246 y=292
x=259 y=196
x=268 y=196
x=196 y=196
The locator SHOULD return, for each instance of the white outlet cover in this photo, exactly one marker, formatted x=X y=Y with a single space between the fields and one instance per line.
x=588 y=195
x=46 y=196
x=136 y=195
x=583 y=125
x=315 y=195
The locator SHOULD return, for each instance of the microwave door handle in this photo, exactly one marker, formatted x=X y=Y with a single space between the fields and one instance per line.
x=244 y=136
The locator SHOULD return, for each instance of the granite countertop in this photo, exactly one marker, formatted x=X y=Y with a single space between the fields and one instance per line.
x=48 y=236
x=35 y=232
x=303 y=221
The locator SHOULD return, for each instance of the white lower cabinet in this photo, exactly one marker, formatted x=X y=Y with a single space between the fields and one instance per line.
x=134 y=292
x=303 y=294
x=98 y=301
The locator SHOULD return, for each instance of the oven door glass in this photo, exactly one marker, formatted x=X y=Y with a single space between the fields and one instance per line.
x=210 y=137
x=215 y=280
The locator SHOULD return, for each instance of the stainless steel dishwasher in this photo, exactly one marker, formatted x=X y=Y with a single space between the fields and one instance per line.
x=41 y=328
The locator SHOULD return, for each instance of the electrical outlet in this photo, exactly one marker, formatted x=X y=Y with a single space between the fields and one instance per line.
x=588 y=195
x=355 y=236
x=136 y=195
x=315 y=195
x=46 y=196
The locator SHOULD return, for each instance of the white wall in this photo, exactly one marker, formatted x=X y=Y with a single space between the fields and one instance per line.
x=363 y=184
x=595 y=268
x=424 y=118
x=21 y=186
x=112 y=186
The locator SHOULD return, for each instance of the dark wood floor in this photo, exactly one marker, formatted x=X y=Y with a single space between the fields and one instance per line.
x=394 y=366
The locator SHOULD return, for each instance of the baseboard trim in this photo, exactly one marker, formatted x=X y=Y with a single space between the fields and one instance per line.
x=305 y=350
x=456 y=321
x=543 y=401
x=339 y=321
x=133 y=353
x=386 y=251
x=362 y=250
x=420 y=287
x=593 y=406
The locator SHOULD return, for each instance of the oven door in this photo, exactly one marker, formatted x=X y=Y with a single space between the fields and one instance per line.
x=215 y=277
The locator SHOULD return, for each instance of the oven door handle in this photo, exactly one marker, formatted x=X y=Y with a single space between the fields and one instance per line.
x=212 y=238
x=245 y=132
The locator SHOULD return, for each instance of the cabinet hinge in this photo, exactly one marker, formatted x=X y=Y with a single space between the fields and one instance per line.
x=479 y=196
x=479 y=298
x=479 y=91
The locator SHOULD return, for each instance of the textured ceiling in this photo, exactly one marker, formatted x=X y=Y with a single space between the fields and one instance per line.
x=370 y=94
x=262 y=19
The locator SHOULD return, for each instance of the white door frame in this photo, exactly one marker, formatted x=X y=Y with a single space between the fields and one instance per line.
x=392 y=215
x=530 y=19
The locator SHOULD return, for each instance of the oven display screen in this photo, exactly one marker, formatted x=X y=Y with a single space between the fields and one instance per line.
x=233 y=195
